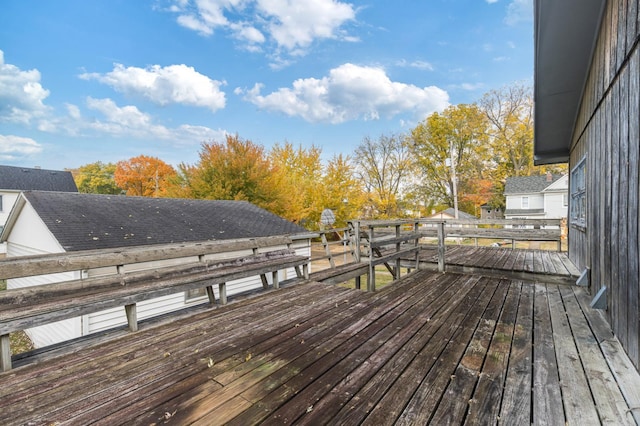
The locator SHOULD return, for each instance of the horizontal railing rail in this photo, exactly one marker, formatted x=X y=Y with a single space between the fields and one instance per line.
x=32 y=306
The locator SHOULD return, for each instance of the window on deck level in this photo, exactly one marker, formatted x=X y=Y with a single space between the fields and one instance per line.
x=578 y=191
x=525 y=202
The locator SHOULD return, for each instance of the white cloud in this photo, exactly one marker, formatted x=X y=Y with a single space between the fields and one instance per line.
x=349 y=92
x=290 y=25
x=165 y=85
x=105 y=117
x=294 y=24
x=422 y=65
x=21 y=94
x=14 y=147
x=130 y=121
x=519 y=11
x=468 y=86
x=491 y=1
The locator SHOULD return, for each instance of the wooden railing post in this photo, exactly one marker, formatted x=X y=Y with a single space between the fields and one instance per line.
x=5 y=353
x=132 y=316
x=398 y=244
x=441 y=247
x=416 y=229
x=222 y=291
x=356 y=237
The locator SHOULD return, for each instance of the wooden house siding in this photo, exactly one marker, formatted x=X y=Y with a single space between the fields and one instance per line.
x=607 y=134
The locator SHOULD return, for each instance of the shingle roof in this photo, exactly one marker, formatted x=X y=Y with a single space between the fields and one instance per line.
x=461 y=215
x=527 y=184
x=25 y=179
x=90 y=221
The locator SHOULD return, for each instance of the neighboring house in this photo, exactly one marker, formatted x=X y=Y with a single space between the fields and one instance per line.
x=488 y=212
x=587 y=96
x=451 y=214
x=57 y=222
x=13 y=180
x=536 y=197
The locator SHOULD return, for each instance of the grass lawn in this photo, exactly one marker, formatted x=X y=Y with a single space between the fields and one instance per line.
x=20 y=342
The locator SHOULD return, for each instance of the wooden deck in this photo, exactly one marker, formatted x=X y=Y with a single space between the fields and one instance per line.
x=532 y=265
x=432 y=348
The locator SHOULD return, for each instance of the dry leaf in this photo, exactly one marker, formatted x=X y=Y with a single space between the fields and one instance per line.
x=210 y=362
x=166 y=354
x=247 y=358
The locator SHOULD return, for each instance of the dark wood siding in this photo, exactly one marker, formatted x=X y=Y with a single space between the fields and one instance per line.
x=607 y=133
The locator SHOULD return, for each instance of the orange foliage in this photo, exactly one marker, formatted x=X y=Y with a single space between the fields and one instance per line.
x=144 y=176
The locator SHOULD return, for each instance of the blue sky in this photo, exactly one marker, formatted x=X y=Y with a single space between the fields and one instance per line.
x=106 y=80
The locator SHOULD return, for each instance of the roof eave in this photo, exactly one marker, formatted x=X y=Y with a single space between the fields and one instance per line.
x=565 y=37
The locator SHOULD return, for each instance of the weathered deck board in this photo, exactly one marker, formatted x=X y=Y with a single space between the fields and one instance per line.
x=516 y=399
x=431 y=348
x=530 y=265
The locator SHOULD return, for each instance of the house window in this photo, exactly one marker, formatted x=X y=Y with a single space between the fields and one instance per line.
x=525 y=202
x=565 y=200
x=1 y=204
x=578 y=209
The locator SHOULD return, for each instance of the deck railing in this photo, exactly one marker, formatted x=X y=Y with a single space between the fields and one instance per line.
x=131 y=278
x=376 y=242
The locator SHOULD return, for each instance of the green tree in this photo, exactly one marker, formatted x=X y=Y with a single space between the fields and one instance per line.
x=451 y=149
x=383 y=166
x=96 y=178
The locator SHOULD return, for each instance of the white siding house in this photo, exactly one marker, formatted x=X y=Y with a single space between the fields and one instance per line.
x=13 y=180
x=536 y=197
x=49 y=222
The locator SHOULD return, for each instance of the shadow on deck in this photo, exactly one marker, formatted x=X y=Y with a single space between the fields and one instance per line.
x=431 y=348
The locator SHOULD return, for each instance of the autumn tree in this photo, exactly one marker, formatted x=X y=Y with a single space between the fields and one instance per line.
x=341 y=191
x=96 y=178
x=144 y=176
x=382 y=166
x=510 y=114
x=298 y=172
x=451 y=151
x=235 y=170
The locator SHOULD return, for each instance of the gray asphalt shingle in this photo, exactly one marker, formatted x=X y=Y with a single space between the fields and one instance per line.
x=527 y=184
x=25 y=179
x=91 y=221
